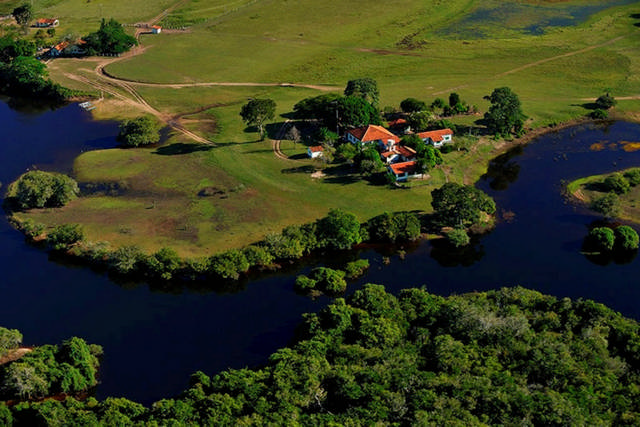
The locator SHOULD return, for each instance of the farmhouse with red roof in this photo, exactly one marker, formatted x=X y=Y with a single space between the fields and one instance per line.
x=372 y=134
x=437 y=137
x=46 y=23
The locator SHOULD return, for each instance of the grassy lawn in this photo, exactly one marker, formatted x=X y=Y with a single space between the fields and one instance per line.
x=204 y=199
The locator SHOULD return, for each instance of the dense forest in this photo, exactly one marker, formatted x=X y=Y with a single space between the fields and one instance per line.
x=510 y=356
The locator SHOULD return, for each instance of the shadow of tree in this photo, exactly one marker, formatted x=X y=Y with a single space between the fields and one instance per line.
x=299 y=169
x=181 y=148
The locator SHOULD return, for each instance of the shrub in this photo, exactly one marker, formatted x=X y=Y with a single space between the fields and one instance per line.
x=229 y=265
x=599 y=114
x=617 y=183
x=139 y=131
x=63 y=236
x=126 y=259
x=10 y=339
x=608 y=205
x=329 y=281
x=258 y=256
x=38 y=189
x=162 y=264
x=458 y=237
x=356 y=268
x=633 y=176
x=304 y=284
x=601 y=239
x=626 y=238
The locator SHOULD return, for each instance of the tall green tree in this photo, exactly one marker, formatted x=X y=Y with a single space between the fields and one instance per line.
x=111 y=38
x=460 y=205
x=354 y=111
x=365 y=88
x=338 y=230
x=23 y=14
x=258 y=111
x=505 y=114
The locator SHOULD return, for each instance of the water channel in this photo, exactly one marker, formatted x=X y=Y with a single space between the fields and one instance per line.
x=154 y=339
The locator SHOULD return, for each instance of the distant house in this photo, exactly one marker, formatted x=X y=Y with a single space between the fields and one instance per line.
x=315 y=151
x=372 y=134
x=47 y=23
x=156 y=29
x=437 y=137
x=402 y=171
x=399 y=126
x=398 y=153
x=58 y=49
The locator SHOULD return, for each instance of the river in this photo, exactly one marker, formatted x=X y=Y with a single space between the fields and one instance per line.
x=155 y=338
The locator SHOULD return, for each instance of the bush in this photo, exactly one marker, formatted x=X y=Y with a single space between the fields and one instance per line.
x=356 y=268
x=329 y=281
x=608 y=205
x=458 y=237
x=599 y=114
x=126 y=259
x=63 y=236
x=395 y=227
x=304 y=284
x=617 y=183
x=601 y=239
x=626 y=238
x=633 y=176
x=10 y=339
x=139 y=131
x=258 y=256
x=38 y=189
x=229 y=265
x=162 y=264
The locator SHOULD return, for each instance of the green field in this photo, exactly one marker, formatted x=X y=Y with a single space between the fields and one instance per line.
x=412 y=48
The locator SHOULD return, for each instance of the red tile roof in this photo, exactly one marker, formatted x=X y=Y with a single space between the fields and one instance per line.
x=405 y=151
x=316 y=148
x=47 y=21
x=435 y=135
x=373 y=133
x=397 y=122
x=405 y=167
x=61 y=46
x=157 y=27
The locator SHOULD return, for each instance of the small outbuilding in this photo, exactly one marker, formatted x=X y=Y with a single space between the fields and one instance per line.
x=156 y=29
x=47 y=23
x=315 y=151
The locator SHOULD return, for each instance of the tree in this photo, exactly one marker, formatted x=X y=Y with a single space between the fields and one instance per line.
x=11 y=49
x=601 y=239
x=142 y=130
x=23 y=14
x=365 y=88
x=368 y=161
x=606 y=101
x=10 y=339
x=354 y=111
x=608 y=205
x=438 y=103
x=412 y=105
x=454 y=99
x=338 y=230
x=505 y=114
x=427 y=158
x=321 y=107
x=293 y=134
x=617 y=183
x=626 y=238
x=64 y=236
x=420 y=121
x=38 y=189
x=257 y=111
x=457 y=205
x=110 y=38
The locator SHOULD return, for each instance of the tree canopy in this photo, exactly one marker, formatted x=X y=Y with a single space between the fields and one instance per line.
x=412 y=105
x=354 y=111
x=504 y=357
x=111 y=38
x=505 y=114
x=39 y=189
x=142 y=130
x=23 y=14
x=457 y=205
x=365 y=88
x=258 y=111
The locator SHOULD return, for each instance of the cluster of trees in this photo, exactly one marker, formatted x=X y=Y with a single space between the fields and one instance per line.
x=600 y=107
x=324 y=280
x=509 y=356
x=111 y=38
x=23 y=14
x=415 y=107
x=70 y=368
x=22 y=75
x=142 y=130
x=39 y=189
x=339 y=230
x=606 y=239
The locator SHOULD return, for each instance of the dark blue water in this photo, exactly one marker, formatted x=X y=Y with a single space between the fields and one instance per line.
x=155 y=338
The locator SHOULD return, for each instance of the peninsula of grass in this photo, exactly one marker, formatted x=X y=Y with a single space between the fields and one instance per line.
x=621 y=186
x=201 y=198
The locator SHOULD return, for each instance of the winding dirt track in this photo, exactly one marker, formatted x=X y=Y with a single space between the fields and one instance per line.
x=116 y=86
